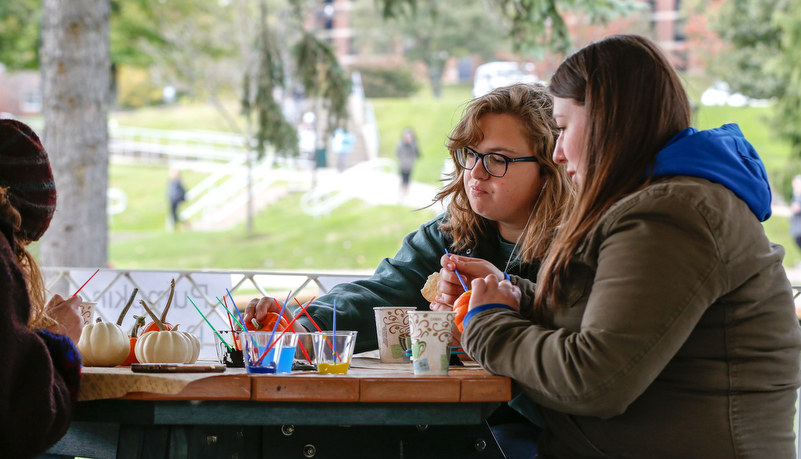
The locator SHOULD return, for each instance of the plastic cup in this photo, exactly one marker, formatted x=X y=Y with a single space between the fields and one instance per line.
x=233 y=357
x=305 y=361
x=286 y=356
x=324 y=343
x=256 y=343
x=432 y=333
x=391 y=323
x=87 y=311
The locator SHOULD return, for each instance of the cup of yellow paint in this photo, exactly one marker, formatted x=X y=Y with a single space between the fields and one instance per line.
x=333 y=350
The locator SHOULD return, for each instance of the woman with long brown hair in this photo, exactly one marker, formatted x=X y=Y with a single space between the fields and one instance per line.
x=662 y=323
x=40 y=363
x=504 y=200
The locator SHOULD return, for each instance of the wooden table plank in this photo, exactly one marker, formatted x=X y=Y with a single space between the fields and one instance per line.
x=496 y=389
x=412 y=389
x=305 y=388
x=223 y=387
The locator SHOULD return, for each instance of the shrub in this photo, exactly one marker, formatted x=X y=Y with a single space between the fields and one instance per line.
x=386 y=81
x=135 y=89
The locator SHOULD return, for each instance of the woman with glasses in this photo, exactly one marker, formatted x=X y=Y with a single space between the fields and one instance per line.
x=504 y=201
x=662 y=323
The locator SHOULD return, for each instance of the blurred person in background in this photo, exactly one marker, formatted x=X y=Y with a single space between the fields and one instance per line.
x=307 y=138
x=407 y=153
x=795 y=208
x=342 y=144
x=40 y=374
x=176 y=194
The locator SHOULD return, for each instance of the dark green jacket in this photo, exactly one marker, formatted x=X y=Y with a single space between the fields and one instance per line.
x=397 y=281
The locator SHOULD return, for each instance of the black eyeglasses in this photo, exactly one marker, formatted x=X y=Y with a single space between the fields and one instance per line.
x=494 y=163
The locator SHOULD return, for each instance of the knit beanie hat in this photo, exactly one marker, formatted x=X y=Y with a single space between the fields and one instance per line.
x=25 y=171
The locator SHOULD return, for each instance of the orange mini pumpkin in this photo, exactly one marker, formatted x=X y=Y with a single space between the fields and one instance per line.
x=460 y=306
x=268 y=324
x=140 y=320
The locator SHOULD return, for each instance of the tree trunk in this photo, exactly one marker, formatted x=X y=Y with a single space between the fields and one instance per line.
x=75 y=67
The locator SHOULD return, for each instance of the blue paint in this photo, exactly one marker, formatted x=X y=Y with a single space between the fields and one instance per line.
x=267 y=363
x=285 y=359
x=267 y=369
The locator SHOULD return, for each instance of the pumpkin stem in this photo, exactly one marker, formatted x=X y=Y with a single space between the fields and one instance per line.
x=175 y=328
x=159 y=323
x=98 y=320
x=169 y=300
x=140 y=322
x=127 y=306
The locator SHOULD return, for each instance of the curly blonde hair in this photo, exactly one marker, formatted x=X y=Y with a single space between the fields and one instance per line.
x=533 y=106
x=30 y=269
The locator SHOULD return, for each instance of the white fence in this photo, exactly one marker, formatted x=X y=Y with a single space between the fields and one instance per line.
x=111 y=288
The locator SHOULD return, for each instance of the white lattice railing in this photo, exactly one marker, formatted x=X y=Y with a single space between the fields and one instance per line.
x=111 y=288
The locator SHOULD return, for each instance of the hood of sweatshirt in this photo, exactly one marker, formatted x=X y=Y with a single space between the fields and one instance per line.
x=722 y=156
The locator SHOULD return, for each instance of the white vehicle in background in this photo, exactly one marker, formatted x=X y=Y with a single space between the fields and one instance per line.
x=720 y=94
x=503 y=73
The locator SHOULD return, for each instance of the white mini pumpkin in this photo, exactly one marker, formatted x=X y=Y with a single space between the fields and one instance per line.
x=164 y=347
x=195 y=347
x=103 y=344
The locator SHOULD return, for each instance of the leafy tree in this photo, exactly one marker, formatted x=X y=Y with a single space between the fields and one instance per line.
x=19 y=33
x=436 y=30
x=754 y=40
x=786 y=66
x=765 y=58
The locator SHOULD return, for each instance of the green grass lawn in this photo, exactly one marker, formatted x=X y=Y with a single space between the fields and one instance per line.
x=146 y=188
x=355 y=236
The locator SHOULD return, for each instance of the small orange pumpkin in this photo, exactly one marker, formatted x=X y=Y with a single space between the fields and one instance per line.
x=460 y=306
x=140 y=320
x=268 y=324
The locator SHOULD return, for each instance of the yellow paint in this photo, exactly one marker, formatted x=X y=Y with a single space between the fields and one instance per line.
x=333 y=367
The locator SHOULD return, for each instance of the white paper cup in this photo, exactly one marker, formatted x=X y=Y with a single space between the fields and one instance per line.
x=392 y=322
x=432 y=333
x=87 y=312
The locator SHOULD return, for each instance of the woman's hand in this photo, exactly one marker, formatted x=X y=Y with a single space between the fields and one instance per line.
x=67 y=314
x=489 y=290
x=470 y=268
x=258 y=308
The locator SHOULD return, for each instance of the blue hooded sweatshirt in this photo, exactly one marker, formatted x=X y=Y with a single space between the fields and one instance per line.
x=722 y=156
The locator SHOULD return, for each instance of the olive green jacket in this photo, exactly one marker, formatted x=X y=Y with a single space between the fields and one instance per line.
x=678 y=336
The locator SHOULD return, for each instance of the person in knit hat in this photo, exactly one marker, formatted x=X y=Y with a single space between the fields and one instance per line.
x=41 y=365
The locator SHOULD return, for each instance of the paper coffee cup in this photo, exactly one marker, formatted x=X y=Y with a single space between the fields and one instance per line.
x=391 y=323
x=87 y=312
x=432 y=333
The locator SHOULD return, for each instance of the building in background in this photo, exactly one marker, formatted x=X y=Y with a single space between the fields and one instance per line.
x=20 y=93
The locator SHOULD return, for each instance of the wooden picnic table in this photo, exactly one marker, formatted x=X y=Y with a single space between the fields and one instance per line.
x=375 y=410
